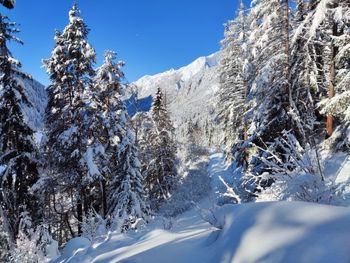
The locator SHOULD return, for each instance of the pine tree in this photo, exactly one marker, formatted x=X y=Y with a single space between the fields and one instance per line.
x=270 y=88
x=118 y=162
x=17 y=147
x=232 y=93
x=337 y=104
x=303 y=87
x=144 y=126
x=8 y=3
x=320 y=65
x=161 y=172
x=103 y=129
x=70 y=68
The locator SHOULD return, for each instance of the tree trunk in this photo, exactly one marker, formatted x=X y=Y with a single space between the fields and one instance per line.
x=104 y=198
x=285 y=15
x=80 y=211
x=331 y=89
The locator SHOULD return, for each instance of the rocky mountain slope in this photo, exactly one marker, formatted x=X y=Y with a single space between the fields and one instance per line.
x=190 y=94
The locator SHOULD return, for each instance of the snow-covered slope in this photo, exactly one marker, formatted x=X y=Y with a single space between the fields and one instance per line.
x=257 y=232
x=34 y=113
x=190 y=92
x=274 y=232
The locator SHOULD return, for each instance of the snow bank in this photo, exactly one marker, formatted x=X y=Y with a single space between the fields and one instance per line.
x=258 y=232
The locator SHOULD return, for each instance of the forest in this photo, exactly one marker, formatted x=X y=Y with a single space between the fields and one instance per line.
x=97 y=163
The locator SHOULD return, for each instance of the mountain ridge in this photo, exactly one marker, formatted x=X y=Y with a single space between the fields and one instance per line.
x=190 y=92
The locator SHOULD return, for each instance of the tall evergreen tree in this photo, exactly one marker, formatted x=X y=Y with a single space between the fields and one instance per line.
x=17 y=148
x=70 y=68
x=143 y=125
x=320 y=67
x=303 y=87
x=8 y=3
x=270 y=87
x=232 y=93
x=161 y=172
x=116 y=155
x=336 y=28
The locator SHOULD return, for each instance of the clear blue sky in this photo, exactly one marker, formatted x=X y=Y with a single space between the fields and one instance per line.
x=151 y=36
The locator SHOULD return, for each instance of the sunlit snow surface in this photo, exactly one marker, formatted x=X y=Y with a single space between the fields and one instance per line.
x=256 y=232
x=260 y=232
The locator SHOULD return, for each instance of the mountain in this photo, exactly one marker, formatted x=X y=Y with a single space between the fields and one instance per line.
x=34 y=113
x=190 y=94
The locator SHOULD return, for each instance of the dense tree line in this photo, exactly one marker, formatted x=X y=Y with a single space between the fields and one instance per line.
x=284 y=85
x=284 y=95
x=87 y=172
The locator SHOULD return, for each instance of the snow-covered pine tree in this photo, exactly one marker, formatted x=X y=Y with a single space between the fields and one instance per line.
x=161 y=172
x=270 y=87
x=319 y=65
x=337 y=104
x=269 y=82
x=18 y=152
x=113 y=150
x=303 y=88
x=232 y=92
x=70 y=68
x=126 y=202
x=8 y=3
x=102 y=128
x=143 y=125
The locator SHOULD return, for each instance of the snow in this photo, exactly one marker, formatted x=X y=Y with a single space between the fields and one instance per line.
x=190 y=92
x=89 y=160
x=34 y=113
x=257 y=232
x=344 y=172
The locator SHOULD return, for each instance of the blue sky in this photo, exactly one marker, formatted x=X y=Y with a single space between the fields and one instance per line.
x=151 y=36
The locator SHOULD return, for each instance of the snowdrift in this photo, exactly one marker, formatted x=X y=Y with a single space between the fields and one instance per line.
x=258 y=232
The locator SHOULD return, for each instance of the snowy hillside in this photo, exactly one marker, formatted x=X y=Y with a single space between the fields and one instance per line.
x=37 y=96
x=260 y=232
x=190 y=92
x=274 y=232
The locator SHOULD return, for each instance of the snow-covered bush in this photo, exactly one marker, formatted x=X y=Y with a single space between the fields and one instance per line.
x=296 y=173
x=193 y=186
x=33 y=245
x=94 y=226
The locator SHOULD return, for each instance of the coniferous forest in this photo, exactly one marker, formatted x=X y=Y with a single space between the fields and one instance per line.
x=100 y=169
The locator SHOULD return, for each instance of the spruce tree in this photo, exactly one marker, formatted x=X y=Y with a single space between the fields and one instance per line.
x=161 y=172
x=303 y=87
x=232 y=93
x=270 y=88
x=143 y=125
x=70 y=68
x=18 y=151
x=8 y=3
x=114 y=149
x=336 y=106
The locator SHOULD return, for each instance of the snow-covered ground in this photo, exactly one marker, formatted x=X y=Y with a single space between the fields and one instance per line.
x=257 y=232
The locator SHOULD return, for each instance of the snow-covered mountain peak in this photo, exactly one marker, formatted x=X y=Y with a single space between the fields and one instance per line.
x=148 y=84
x=198 y=65
x=190 y=91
